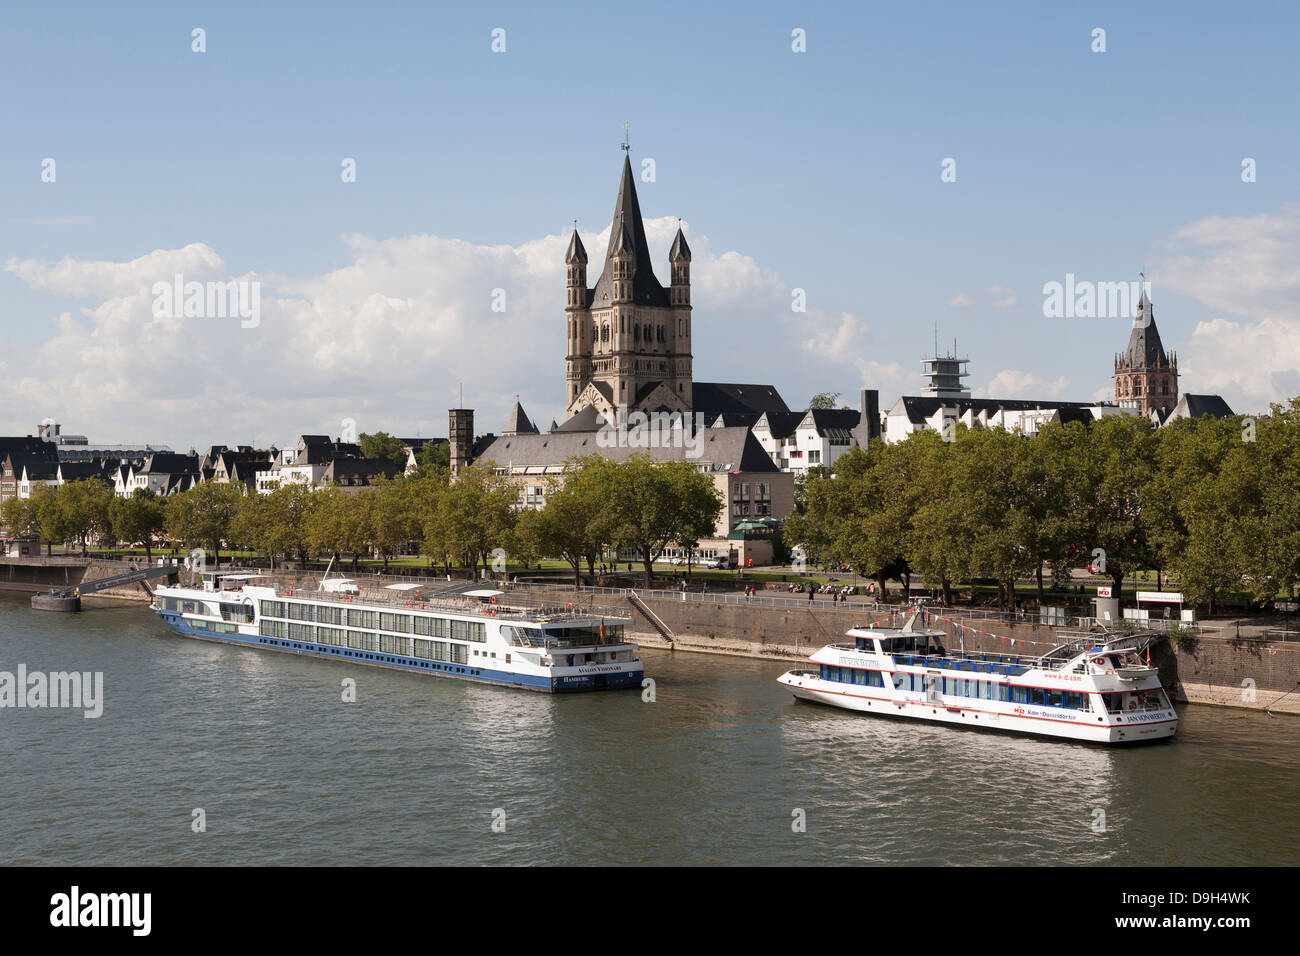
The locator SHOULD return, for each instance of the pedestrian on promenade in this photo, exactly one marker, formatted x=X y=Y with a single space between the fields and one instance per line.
x=811 y=592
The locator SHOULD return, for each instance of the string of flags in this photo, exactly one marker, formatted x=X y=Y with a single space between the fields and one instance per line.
x=925 y=617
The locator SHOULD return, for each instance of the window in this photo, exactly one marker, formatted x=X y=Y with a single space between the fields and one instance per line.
x=468 y=631
x=394 y=645
x=363 y=642
x=361 y=618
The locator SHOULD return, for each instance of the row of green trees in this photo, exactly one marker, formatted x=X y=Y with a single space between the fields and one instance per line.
x=475 y=520
x=1213 y=502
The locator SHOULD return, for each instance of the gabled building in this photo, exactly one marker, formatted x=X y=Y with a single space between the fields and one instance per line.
x=15 y=452
x=163 y=474
x=816 y=438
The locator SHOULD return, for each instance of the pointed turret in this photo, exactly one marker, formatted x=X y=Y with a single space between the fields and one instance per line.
x=518 y=423
x=679 y=262
x=1145 y=350
x=680 y=249
x=576 y=253
x=575 y=260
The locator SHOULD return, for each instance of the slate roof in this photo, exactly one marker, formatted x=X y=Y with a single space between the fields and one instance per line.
x=29 y=446
x=834 y=419
x=575 y=253
x=680 y=249
x=518 y=423
x=921 y=407
x=359 y=471
x=78 y=470
x=587 y=420
x=165 y=464
x=1145 y=350
x=783 y=424
x=38 y=469
x=718 y=398
x=1196 y=406
x=724 y=449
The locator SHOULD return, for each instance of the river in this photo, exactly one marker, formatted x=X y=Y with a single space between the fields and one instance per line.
x=723 y=767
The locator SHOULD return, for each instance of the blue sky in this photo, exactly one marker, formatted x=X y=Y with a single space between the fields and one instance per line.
x=819 y=169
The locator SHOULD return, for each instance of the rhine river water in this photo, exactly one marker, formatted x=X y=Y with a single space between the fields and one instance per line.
x=712 y=772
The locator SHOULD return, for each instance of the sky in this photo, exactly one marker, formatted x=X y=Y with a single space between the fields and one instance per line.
x=822 y=169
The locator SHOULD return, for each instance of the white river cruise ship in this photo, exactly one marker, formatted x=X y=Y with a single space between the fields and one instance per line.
x=475 y=635
x=1092 y=687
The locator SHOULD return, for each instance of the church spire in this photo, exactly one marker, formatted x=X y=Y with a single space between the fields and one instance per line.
x=628 y=244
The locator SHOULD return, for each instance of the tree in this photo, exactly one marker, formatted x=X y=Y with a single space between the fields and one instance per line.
x=392 y=520
x=85 y=504
x=654 y=504
x=51 y=516
x=384 y=445
x=824 y=400
x=276 y=523
x=433 y=458
x=574 y=524
x=20 y=517
x=477 y=515
x=203 y=516
x=1116 y=461
x=337 y=523
x=138 y=518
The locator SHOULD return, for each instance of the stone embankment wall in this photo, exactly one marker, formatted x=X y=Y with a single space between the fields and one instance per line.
x=32 y=575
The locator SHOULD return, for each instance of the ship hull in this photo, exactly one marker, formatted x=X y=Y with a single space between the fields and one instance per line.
x=562 y=681
x=1075 y=727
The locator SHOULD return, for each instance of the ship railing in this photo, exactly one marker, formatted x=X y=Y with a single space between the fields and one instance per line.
x=976 y=662
x=520 y=606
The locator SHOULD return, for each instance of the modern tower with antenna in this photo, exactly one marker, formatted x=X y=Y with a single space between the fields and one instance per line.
x=945 y=372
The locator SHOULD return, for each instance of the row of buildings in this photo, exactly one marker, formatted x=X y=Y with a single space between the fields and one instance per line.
x=33 y=461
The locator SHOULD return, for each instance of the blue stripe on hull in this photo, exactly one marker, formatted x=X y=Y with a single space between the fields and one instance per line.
x=546 y=685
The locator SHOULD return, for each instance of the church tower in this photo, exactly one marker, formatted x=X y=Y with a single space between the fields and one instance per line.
x=1145 y=377
x=578 y=317
x=629 y=337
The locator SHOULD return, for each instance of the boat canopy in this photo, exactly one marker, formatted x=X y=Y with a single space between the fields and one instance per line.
x=401 y=587
x=484 y=593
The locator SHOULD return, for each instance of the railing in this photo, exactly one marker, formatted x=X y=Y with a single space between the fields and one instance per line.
x=520 y=606
x=664 y=630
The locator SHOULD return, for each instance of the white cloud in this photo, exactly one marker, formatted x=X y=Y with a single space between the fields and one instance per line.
x=1013 y=383
x=386 y=339
x=1248 y=267
x=841 y=343
x=960 y=301
x=80 y=278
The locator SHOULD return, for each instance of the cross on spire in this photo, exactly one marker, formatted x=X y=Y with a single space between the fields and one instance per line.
x=625 y=145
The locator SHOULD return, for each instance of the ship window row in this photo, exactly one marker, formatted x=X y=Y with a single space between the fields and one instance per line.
x=214 y=627
x=179 y=606
x=962 y=687
x=357 y=640
x=853 y=675
x=380 y=620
